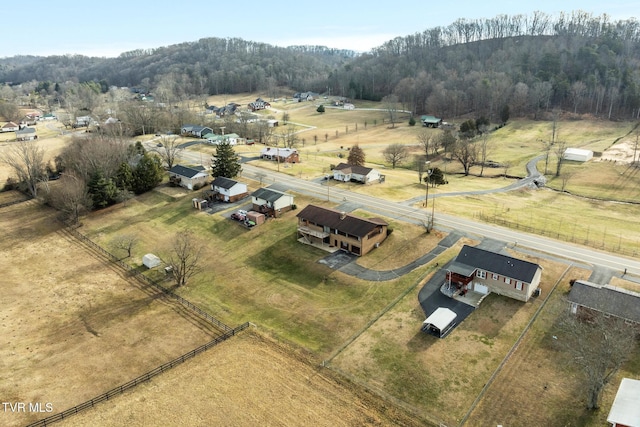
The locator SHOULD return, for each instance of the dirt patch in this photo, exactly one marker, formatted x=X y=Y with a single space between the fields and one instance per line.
x=621 y=152
x=73 y=325
x=245 y=381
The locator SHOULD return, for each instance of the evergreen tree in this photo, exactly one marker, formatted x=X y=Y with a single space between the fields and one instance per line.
x=504 y=114
x=147 y=173
x=102 y=190
x=320 y=109
x=225 y=162
x=356 y=156
x=124 y=177
x=436 y=178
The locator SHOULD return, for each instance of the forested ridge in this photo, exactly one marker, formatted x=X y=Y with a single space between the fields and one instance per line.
x=581 y=63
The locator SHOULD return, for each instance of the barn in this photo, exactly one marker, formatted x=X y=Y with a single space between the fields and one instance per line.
x=577 y=154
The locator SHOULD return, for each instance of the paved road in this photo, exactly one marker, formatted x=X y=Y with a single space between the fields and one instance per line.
x=401 y=211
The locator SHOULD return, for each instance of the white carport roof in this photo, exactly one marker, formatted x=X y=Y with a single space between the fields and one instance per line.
x=625 y=409
x=441 y=318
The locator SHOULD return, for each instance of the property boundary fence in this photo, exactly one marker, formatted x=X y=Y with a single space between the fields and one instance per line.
x=142 y=378
x=146 y=280
x=13 y=202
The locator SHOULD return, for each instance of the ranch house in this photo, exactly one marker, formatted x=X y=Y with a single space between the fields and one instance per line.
x=328 y=228
x=282 y=155
x=346 y=172
x=585 y=298
x=484 y=272
x=188 y=177
x=227 y=190
x=271 y=202
x=195 y=130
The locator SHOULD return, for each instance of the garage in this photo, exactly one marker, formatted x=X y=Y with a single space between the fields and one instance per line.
x=480 y=288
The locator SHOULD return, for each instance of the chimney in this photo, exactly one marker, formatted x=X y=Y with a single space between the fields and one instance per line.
x=343 y=215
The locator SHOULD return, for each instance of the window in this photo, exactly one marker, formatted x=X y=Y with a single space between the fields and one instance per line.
x=507 y=280
x=519 y=285
x=481 y=274
x=494 y=276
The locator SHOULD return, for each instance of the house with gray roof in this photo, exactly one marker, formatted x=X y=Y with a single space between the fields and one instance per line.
x=26 y=134
x=325 y=227
x=228 y=190
x=346 y=172
x=586 y=297
x=191 y=178
x=483 y=271
x=195 y=130
x=271 y=202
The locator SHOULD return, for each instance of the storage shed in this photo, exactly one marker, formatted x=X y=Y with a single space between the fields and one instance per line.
x=151 y=260
x=440 y=322
x=257 y=217
x=577 y=154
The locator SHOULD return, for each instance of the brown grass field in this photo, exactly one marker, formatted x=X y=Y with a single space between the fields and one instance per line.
x=246 y=381
x=75 y=326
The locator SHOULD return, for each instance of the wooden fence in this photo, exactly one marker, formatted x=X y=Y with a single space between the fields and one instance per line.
x=142 y=378
x=146 y=280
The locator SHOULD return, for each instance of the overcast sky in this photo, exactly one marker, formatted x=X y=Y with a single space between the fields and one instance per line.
x=110 y=28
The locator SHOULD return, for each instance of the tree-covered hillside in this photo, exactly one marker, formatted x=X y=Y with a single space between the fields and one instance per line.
x=578 y=62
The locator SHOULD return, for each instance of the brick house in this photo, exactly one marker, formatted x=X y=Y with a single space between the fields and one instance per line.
x=587 y=297
x=334 y=229
x=227 y=190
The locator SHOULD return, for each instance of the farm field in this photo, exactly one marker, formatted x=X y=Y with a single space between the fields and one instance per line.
x=246 y=381
x=73 y=326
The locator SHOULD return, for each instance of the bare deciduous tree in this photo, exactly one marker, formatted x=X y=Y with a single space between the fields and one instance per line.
x=484 y=147
x=170 y=150
x=125 y=242
x=26 y=158
x=559 y=148
x=184 y=258
x=465 y=151
x=428 y=143
x=391 y=106
x=395 y=154
x=69 y=195
x=598 y=345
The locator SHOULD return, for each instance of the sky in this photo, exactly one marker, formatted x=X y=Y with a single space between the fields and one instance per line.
x=111 y=28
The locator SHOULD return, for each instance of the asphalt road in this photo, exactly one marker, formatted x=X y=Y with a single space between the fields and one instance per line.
x=323 y=190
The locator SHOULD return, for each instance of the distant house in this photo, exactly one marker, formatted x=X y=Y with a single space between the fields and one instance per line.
x=26 y=134
x=305 y=96
x=577 y=155
x=483 y=271
x=587 y=297
x=334 y=229
x=346 y=172
x=259 y=104
x=231 y=138
x=271 y=202
x=10 y=127
x=282 y=155
x=625 y=410
x=431 y=121
x=348 y=106
x=228 y=190
x=188 y=177
x=48 y=116
x=82 y=121
x=195 y=130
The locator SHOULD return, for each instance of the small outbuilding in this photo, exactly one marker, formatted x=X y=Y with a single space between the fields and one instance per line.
x=440 y=322
x=151 y=260
x=577 y=154
x=625 y=411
